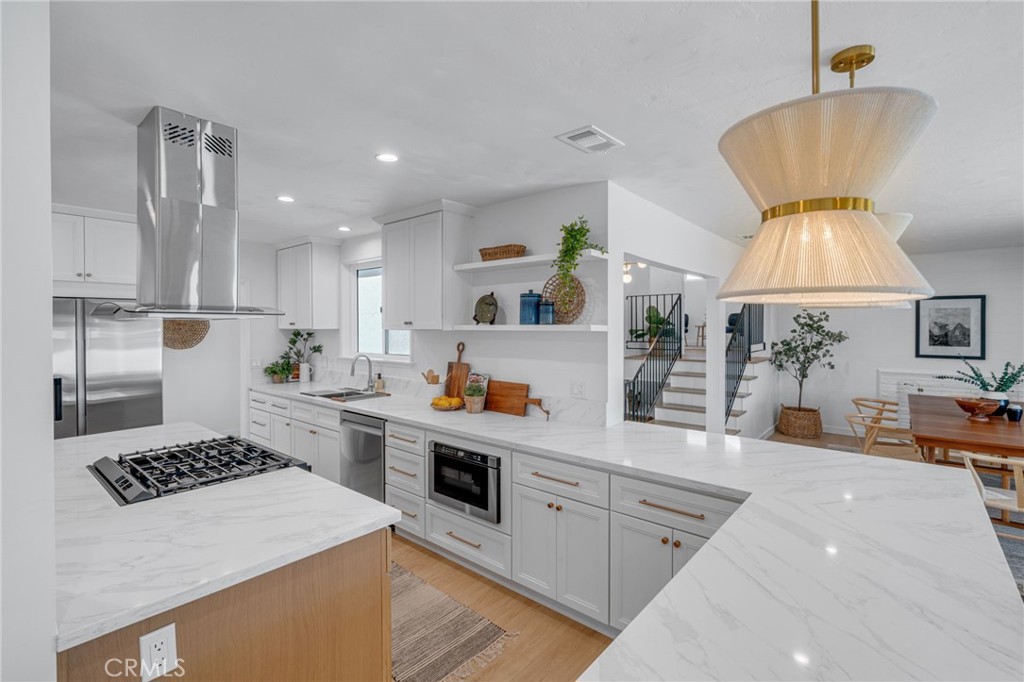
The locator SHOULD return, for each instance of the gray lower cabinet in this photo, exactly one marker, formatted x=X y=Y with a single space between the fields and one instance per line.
x=560 y=550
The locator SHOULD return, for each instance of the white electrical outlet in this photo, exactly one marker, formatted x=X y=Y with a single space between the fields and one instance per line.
x=158 y=653
x=578 y=389
x=257 y=363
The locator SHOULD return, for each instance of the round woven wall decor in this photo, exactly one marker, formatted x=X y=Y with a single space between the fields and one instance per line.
x=184 y=334
x=569 y=298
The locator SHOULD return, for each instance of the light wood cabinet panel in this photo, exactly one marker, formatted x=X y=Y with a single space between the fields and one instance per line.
x=534 y=537
x=641 y=564
x=326 y=617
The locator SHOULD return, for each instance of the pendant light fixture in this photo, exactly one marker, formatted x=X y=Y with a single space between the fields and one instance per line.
x=813 y=167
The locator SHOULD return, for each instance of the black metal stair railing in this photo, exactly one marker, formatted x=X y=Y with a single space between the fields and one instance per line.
x=747 y=333
x=642 y=391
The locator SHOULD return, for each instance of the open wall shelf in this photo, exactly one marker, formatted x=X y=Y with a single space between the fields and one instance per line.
x=530 y=327
x=542 y=260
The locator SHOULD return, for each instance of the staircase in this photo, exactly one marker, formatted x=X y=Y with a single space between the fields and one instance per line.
x=683 y=400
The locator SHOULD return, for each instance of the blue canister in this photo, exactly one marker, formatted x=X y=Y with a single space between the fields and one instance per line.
x=1014 y=412
x=547 y=312
x=529 y=308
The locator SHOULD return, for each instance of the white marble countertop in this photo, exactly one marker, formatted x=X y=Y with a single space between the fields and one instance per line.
x=838 y=566
x=117 y=565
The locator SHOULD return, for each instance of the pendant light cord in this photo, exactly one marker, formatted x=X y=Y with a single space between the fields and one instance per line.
x=815 y=78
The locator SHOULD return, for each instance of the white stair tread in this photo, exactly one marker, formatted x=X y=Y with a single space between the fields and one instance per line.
x=679 y=425
x=698 y=409
x=703 y=375
x=698 y=391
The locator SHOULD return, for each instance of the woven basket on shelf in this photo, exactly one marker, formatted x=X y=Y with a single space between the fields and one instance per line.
x=569 y=299
x=184 y=334
x=503 y=251
x=800 y=422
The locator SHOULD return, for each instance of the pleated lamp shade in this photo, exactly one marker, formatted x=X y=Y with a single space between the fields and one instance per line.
x=824 y=258
x=895 y=223
x=841 y=144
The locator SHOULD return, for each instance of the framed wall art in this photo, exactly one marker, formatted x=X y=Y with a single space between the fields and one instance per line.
x=951 y=327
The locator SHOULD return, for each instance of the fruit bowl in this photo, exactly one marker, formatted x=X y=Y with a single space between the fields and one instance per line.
x=977 y=409
x=450 y=408
x=445 y=404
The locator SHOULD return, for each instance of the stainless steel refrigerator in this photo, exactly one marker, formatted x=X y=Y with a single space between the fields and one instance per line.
x=107 y=373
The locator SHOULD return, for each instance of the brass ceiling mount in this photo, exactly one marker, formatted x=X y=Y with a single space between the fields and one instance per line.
x=853 y=58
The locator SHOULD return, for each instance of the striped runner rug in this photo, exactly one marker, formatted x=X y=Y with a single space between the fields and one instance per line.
x=434 y=637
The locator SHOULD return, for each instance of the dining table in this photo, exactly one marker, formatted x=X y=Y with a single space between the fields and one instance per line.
x=939 y=425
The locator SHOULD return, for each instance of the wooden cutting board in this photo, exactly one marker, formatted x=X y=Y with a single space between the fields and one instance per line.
x=458 y=374
x=507 y=397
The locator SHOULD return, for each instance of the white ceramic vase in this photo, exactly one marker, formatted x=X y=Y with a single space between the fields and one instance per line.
x=304 y=372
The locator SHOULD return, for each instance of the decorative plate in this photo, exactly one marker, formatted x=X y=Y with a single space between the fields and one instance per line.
x=486 y=309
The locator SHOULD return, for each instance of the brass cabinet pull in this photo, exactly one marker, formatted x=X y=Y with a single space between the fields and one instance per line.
x=402 y=438
x=280 y=407
x=257 y=400
x=78 y=274
x=677 y=544
x=403 y=471
x=538 y=474
x=452 y=535
x=287 y=423
x=699 y=517
x=407 y=322
x=551 y=505
x=312 y=432
x=292 y=324
x=410 y=514
x=258 y=423
x=558 y=508
x=88 y=274
x=664 y=541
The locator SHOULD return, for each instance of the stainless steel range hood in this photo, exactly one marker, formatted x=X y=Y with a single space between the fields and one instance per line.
x=188 y=220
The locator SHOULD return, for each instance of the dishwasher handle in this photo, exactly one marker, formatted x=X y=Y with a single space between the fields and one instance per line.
x=346 y=423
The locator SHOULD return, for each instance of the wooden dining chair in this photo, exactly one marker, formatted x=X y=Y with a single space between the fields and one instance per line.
x=876 y=406
x=878 y=435
x=1000 y=499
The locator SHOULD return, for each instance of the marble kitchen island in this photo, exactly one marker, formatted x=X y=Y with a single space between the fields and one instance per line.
x=836 y=566
x=266 y=563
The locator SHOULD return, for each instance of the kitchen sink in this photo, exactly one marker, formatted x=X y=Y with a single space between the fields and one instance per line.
x=344 y=394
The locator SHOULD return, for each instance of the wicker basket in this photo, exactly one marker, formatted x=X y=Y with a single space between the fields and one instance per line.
x=184 y=334
x=569 y=301
x=800 y=422
x=503 y=251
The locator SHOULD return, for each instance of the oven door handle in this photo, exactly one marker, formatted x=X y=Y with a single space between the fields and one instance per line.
x=434 y=455
x=346 y=424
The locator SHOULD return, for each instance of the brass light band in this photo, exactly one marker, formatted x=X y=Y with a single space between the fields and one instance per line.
x=821 y=204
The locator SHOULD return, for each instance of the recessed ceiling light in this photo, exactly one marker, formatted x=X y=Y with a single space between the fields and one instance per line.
x=345 y=228
x=386 y=157
x=286 y=199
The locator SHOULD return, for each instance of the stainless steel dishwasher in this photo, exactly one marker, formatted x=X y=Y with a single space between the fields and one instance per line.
x=362 y=454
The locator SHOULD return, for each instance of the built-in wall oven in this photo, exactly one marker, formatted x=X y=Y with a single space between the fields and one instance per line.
x=467 y=481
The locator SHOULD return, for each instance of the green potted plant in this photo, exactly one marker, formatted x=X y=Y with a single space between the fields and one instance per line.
x=300 y=355
x=656 y=322
x=810 y=344
x=278 y=371
x=566 y=289
x=995 y=388
x=474 y=395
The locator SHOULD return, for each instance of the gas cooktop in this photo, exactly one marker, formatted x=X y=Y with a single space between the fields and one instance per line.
x=148 y=474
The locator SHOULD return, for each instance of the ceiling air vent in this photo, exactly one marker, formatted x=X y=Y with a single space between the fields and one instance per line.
x=589 y=139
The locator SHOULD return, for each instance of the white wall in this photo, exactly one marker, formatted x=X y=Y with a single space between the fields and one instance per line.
x=884 y=338
x=202 y=384
x=27 y=555
x=696 y=300
x=650 y=232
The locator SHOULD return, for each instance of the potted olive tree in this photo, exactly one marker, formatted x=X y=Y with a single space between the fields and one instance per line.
x=810 y=344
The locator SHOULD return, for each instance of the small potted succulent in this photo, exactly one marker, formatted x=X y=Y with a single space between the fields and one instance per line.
x=475 y=395
x=995 y=388
x=278 y=371
x=810 y=344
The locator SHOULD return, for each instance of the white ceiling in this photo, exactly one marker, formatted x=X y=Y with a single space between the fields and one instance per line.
x=470 y=96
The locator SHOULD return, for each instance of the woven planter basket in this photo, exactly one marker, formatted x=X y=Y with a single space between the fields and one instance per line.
x=184 y=334
x=800 y=422
x=569 y=300
x=503 y=251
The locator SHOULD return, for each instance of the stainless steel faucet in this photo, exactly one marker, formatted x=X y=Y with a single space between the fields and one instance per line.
x=369 y=362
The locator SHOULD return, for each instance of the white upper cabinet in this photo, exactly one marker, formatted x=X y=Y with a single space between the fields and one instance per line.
x=307 y=286
x=420 y=248
x=94 y=250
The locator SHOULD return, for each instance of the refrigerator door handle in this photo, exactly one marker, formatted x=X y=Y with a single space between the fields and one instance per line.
x=58 y=401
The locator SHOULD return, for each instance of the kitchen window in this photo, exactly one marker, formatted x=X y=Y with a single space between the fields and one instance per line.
x=371 y=337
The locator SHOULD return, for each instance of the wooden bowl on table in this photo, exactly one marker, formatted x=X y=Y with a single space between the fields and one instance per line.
x=977 y=409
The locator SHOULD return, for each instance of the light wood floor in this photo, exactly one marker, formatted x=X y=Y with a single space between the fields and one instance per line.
x=836 y=441
x=549 y=646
